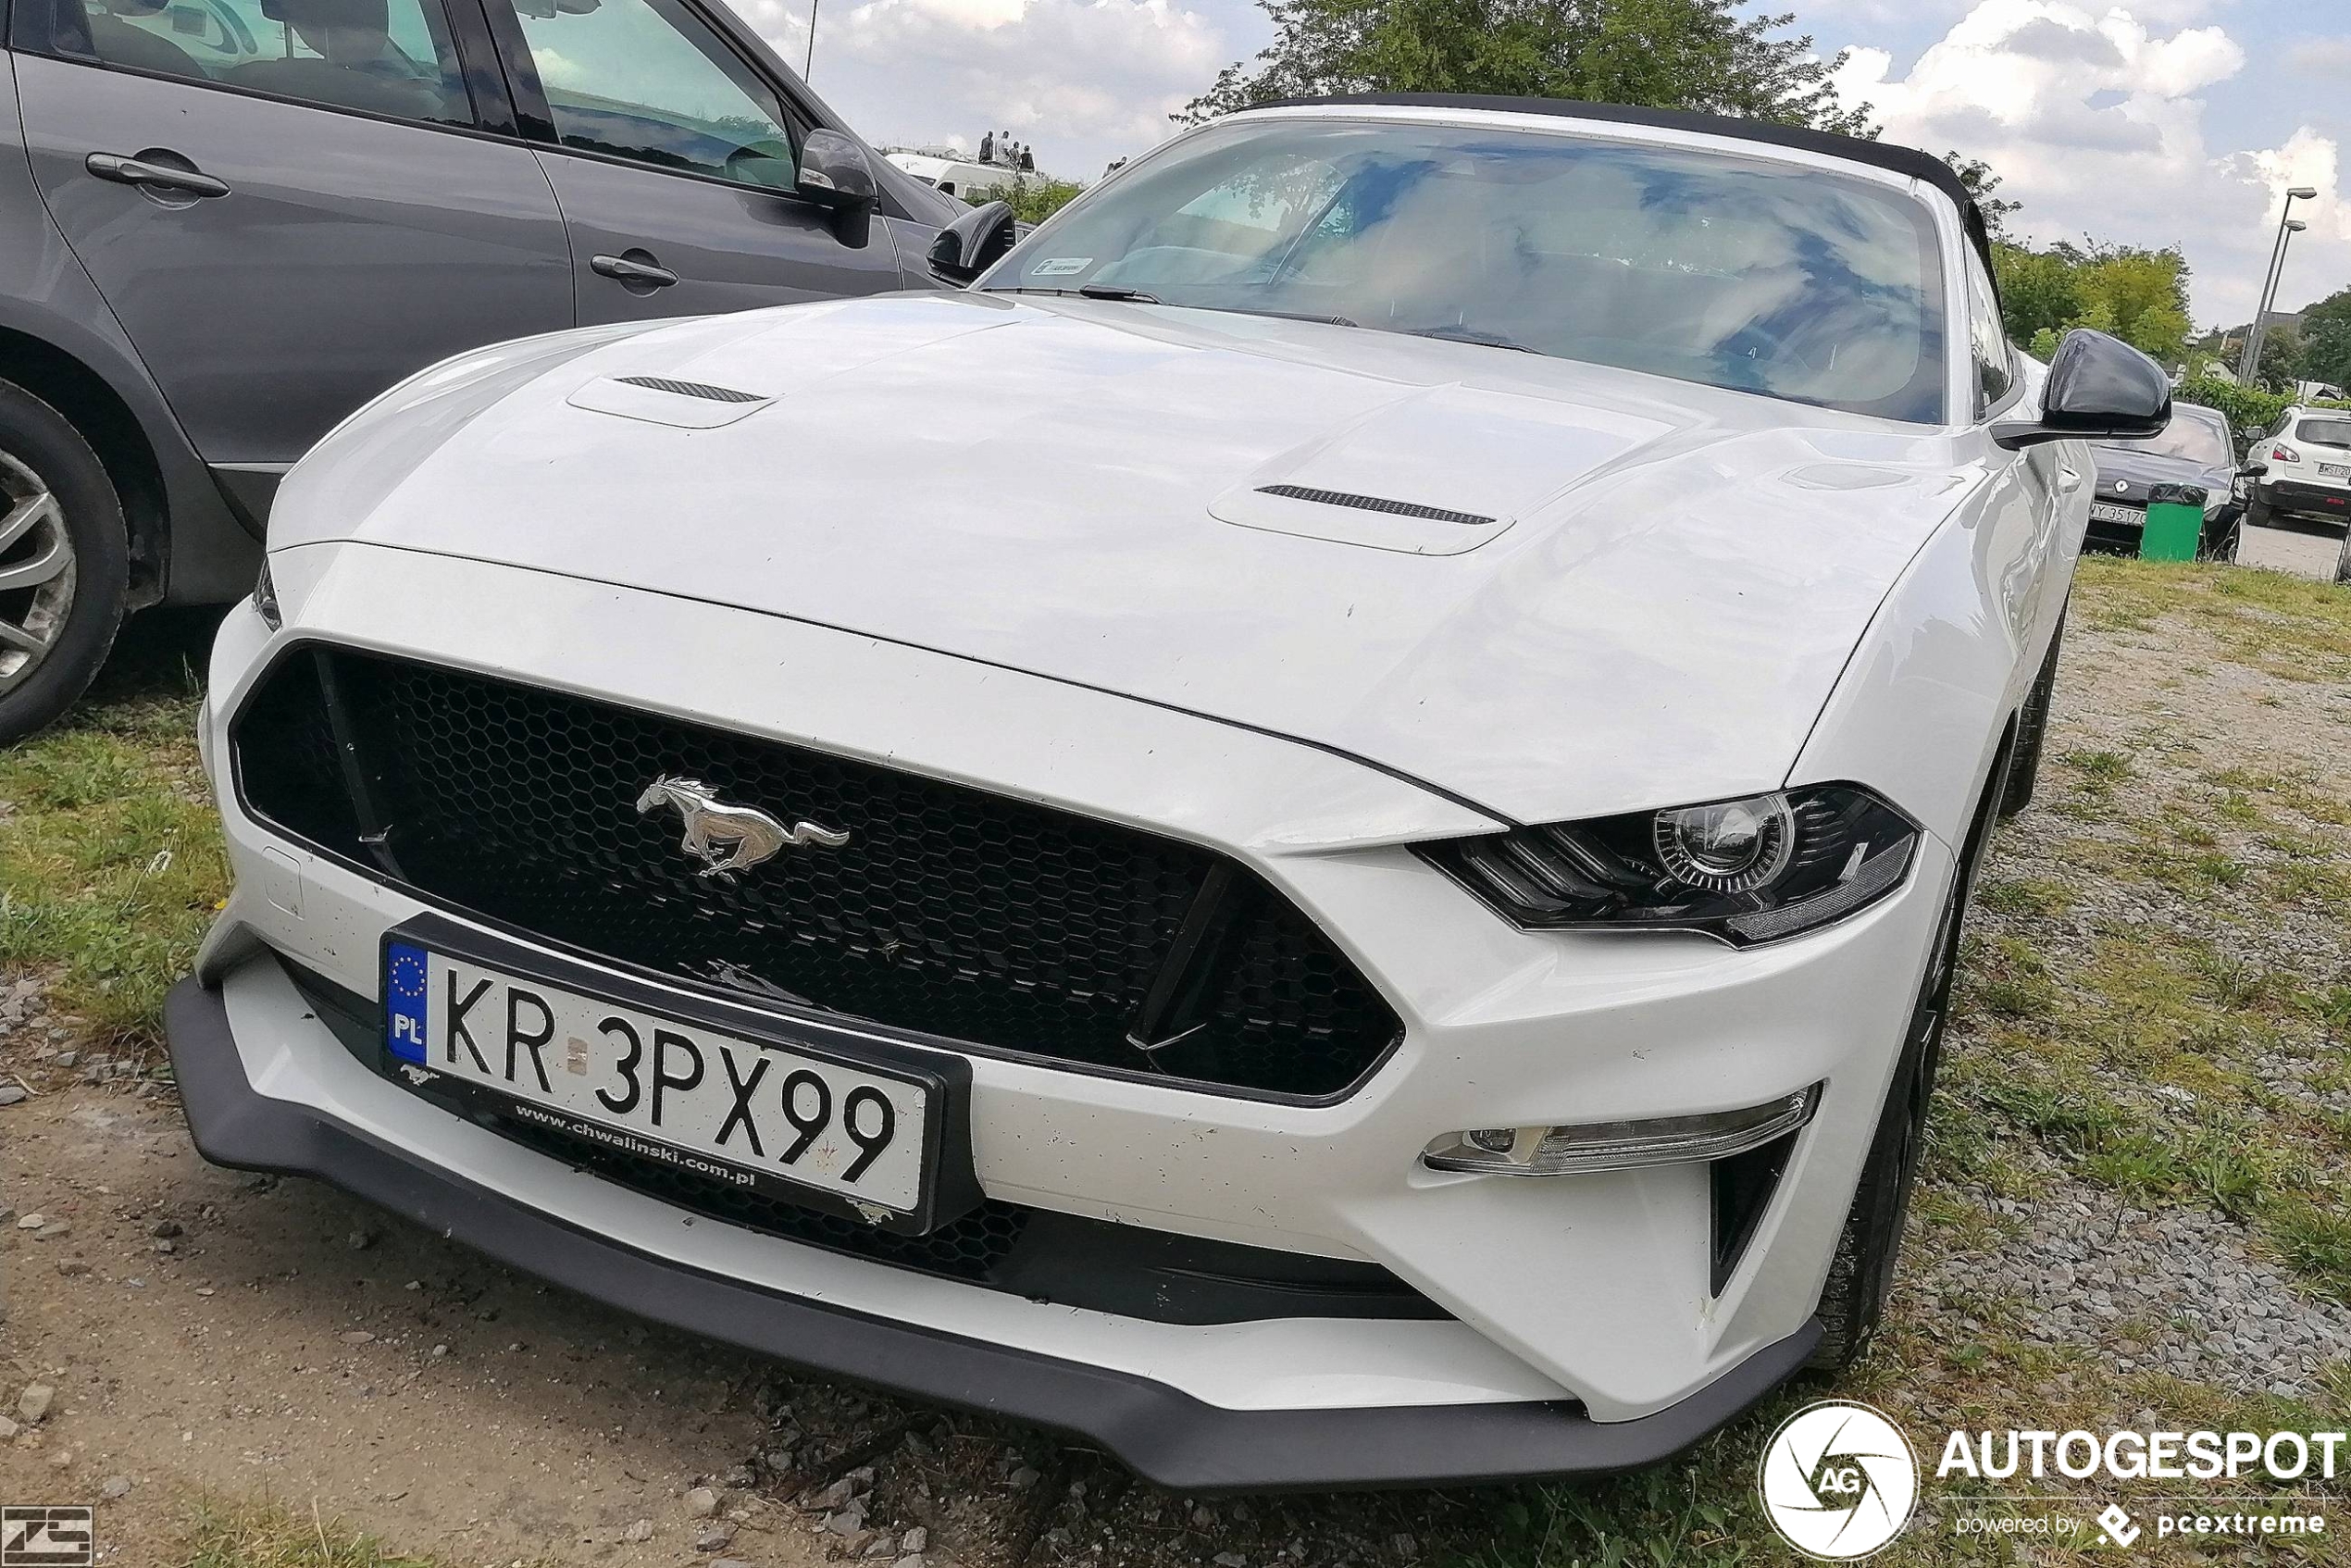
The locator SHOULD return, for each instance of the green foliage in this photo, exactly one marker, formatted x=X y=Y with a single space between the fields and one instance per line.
x=2140 y=296
x=1032 y=201
x=1665 y=54
x=2247 y=408
x=2282 y=356
x=110 y=858
x=1977 y=176
x=2326 y=340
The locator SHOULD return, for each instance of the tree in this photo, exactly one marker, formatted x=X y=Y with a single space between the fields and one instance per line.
x=2140 y=296
x=2326 y=340
x=1977 y=176
x=1032 y=201
x=2284 y=357
x=1698 y=55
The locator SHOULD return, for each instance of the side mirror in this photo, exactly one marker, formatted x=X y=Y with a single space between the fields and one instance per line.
x=2099 y=389
x=834 y=173
x=973 y=244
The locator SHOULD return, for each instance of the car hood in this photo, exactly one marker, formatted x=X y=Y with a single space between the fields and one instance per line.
x=2126 y=474
x=1641 y=592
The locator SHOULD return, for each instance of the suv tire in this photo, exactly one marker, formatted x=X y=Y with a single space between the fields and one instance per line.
x=65 y=562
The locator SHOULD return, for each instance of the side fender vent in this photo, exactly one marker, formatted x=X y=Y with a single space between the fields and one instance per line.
x=702 y=390
x=1374 y=504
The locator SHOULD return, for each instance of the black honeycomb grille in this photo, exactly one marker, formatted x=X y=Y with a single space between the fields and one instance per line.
x=949 y=911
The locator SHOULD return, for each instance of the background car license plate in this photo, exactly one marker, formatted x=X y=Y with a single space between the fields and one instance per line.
x=681 y=1094
x=2335 y=470
x=2108 y=512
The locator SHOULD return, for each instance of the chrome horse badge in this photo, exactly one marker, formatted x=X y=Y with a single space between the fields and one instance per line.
x=729 y=839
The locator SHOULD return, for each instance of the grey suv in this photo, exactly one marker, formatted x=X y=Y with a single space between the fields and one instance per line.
x=225 y=224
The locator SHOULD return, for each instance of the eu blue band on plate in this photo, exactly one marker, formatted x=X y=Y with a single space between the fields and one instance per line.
x=405 y=974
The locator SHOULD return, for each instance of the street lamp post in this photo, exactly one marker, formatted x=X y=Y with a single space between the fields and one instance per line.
x=809 y=65
x=2270 y=279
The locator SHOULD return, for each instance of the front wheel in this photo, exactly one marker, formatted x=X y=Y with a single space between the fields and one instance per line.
x=1861 y=1274
x=2032 y=728
x=65 y=565
x=2343 y=561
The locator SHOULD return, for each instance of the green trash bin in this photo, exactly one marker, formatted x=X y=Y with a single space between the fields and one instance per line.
x=2176 y=523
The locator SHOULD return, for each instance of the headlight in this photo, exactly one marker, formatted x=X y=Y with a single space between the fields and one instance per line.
x=264 y=597
x=1755 y=869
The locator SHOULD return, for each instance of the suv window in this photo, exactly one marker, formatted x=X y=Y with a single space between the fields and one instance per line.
x=2325 y=433
x=1988 y=339
x=390 y=57
x=646 y=79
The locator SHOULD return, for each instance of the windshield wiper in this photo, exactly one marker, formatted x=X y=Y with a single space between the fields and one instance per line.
x=1469 y=335
x=1113 y=291
x=1284 y=314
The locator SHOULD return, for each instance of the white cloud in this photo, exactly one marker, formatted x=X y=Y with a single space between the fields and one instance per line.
x=1081 y=80
x=2095 y=118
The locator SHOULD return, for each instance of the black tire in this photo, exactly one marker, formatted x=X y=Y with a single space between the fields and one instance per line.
x=1861 y=1274
x=73 y=555
x=2257 y=510
x=2343 y=561
x=2032 y=728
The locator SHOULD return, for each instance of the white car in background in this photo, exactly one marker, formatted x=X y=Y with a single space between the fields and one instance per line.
x=1374 y=903
x=2302 y=468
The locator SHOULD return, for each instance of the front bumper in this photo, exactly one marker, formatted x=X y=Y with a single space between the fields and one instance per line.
x=1175 y=1439
x=1591 y=1291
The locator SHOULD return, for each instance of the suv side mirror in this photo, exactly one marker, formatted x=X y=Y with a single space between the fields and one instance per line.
x=973 y=244
x=2099 y=389
x=834 y=173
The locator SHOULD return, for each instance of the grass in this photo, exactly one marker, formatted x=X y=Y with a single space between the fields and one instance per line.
x=110 y=857
x=268 y=1534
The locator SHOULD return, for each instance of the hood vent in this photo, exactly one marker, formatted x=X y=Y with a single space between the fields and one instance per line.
x=690 y=389
x=1374 y=504
x=665 y=400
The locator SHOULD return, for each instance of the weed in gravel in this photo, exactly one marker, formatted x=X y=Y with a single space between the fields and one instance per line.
x=2032 y=896
x=111 y=863
x=2314 y=1239
x=268 y=1534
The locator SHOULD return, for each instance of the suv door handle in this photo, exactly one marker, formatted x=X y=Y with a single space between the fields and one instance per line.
x=635 y=270
x=153 y=175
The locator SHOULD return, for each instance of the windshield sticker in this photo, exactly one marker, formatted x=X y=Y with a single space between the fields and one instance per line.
x=1061 y=265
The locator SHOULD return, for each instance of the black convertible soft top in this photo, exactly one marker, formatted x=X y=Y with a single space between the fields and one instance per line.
x=1908 y=161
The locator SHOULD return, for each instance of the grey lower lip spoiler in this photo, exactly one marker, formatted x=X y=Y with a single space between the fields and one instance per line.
x=1160 y=1432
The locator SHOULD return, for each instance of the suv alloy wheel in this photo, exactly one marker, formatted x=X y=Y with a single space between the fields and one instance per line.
x=64 y=563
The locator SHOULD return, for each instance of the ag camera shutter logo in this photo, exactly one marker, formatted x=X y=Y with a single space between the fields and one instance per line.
x=1838 y=1480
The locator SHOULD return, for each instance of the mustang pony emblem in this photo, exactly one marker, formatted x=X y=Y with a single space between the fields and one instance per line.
x=729 y=839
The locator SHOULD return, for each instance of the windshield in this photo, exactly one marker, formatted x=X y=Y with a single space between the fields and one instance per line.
x=2188 y=438
x=1706 y=266
x=2325 y=433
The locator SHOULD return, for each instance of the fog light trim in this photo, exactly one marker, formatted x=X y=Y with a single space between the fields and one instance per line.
x=1623 y=1146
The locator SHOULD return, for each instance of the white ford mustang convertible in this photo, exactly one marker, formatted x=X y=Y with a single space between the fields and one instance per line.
x=1316 y=832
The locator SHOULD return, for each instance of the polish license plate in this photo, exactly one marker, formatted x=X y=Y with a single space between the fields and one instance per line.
x=2108 y=512
x=2335 y=470
x=817 y=1115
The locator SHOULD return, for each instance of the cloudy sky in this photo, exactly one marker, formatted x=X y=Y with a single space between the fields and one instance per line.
x=2143 y=121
